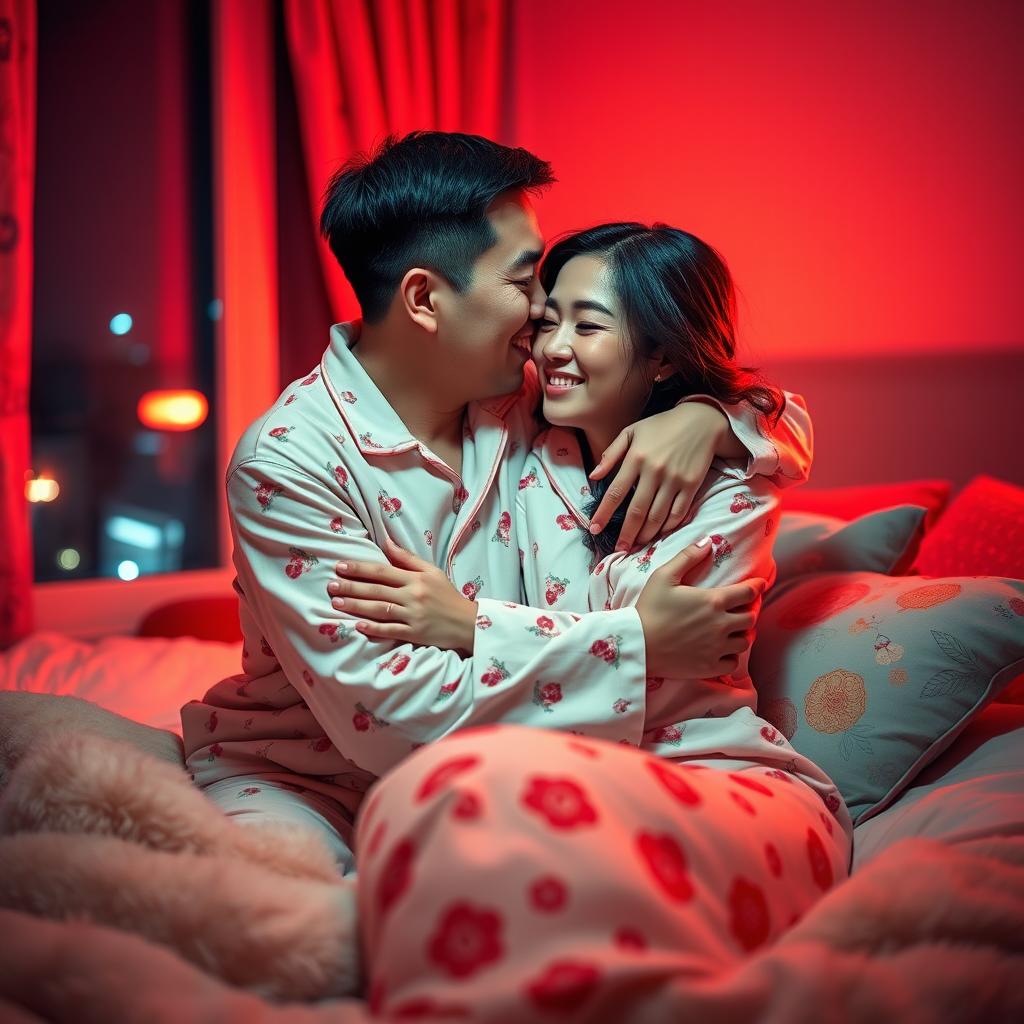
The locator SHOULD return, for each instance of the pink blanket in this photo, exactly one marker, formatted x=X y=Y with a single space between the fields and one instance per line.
x=926 y=932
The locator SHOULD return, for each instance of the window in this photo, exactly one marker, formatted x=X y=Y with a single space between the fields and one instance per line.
x=124 y=305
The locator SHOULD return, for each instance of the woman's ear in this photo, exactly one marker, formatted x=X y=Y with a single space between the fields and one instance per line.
x=417 y=292
x=661 y=368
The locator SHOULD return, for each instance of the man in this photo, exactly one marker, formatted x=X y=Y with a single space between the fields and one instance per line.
x=414 y=427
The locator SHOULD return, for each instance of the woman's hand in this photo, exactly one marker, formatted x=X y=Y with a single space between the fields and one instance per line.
x=667 y=456
x=411 y=600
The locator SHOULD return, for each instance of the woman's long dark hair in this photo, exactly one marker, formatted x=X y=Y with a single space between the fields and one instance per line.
x=676 y=292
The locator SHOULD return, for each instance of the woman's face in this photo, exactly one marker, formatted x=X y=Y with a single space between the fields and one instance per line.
x=583 y=356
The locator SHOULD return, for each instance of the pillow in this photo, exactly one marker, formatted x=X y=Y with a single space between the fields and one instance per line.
x=850 y=502
x=973 y=791
x=885 y=541
x=981 y=533
x=144 y=679
x=205 y=618
x=874 y=676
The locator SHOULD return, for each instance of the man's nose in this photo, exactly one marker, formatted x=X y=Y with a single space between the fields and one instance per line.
x=537 y=299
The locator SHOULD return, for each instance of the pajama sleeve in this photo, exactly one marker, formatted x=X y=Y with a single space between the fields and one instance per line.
x=376 y=700
x=783 y=452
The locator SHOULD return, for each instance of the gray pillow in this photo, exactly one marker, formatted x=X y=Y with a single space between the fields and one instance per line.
x=873 y=676
x=883 y=541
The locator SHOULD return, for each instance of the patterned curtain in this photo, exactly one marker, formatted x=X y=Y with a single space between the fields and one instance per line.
x=364 y=69
x=17 y=173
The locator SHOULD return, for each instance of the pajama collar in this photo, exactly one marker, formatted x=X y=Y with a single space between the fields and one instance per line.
x=375 y=426
x=558 y=451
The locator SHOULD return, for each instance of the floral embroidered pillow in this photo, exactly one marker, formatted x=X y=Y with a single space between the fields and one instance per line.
x=884 y=541
x=873 y=676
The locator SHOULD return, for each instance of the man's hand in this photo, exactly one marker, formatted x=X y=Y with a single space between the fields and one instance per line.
x=667 y=456
x=696 y=632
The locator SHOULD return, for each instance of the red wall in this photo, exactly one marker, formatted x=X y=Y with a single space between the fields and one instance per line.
x=858 y=165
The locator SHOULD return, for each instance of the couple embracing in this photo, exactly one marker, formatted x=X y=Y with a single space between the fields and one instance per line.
x=525 y=506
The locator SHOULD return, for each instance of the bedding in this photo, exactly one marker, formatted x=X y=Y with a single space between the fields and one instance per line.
x=884 y=541
x=851 y=502
x=980 y=533
x=927 y=932
x=873 y=676
x=974 y=790
x=928 y=927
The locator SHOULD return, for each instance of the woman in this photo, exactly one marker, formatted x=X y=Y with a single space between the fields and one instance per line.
x=740 y=835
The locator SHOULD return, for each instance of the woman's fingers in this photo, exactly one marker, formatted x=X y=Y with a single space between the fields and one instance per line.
x=378 y=611
x=362 y=591
x=383 y=630
x=657 y=516
x=381 y=572
x=624 y=479
x=637 y=514
x=677 y=513
x=612 y=454
x=736 y=595
x=404 y=559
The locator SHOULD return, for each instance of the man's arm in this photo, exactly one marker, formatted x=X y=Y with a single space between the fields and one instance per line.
x=377 y=700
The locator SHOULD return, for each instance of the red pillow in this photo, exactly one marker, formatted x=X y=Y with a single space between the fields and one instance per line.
x=206 y=618
x=980 y=534
x=852 y=502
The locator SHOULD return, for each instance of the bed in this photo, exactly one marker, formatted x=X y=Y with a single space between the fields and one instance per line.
x=891 y=650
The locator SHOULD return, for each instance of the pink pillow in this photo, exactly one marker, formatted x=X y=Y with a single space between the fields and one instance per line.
x=980 y=534
x=851 y=502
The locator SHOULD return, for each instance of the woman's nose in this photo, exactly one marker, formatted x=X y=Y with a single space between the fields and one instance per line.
x=555 y=344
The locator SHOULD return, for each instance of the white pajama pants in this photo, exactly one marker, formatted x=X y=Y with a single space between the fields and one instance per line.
x=251 y=800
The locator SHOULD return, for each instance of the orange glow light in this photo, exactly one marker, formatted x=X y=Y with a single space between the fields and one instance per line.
x=41 y=489
x=172 y=410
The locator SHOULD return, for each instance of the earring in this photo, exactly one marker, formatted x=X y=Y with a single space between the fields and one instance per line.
x=657 y=378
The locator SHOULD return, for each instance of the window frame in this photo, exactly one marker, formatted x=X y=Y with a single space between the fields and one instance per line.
x=245 y=269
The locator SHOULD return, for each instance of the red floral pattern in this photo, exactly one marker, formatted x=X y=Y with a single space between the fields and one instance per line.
x=562 y=802
x=749 y=920
x=548 y=894
x=666 y=863
x=466 y=939
x=564 y=986
x=671 y=777
x=821 y=867
x=742 y=801
x=757 y=787
x=441 y=775
x=396 y=876
x=629 y=938
x=468 y=807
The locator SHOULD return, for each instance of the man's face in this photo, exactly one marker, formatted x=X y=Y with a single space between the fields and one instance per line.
x=485 y=334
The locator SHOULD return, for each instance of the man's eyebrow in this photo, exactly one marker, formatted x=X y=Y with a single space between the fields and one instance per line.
x=526 y=259
x=582 y=304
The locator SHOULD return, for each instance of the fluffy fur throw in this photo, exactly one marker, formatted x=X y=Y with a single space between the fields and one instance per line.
x=926 y=932
x=104 y=830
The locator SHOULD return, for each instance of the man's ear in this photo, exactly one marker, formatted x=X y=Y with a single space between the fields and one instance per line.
x=418 y=292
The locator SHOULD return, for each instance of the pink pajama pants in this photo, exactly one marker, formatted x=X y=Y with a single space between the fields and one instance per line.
x=514 y=874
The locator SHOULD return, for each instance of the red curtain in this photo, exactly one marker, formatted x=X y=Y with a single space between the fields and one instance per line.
x=17 y=173
x=366 y=68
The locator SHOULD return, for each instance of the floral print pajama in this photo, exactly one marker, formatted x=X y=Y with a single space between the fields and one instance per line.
x=323 y=477
x=512 y=875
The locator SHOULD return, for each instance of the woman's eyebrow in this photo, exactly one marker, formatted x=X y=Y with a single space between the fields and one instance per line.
x=582 y=304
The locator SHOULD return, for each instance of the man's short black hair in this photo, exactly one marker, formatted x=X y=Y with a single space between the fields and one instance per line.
x=420 y=200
